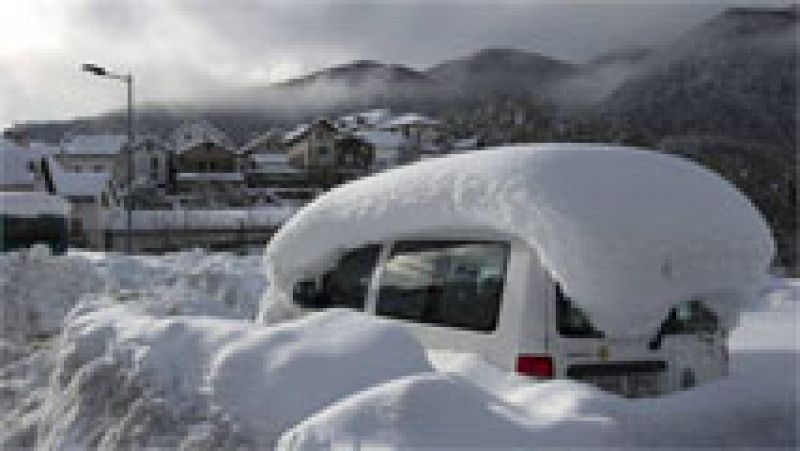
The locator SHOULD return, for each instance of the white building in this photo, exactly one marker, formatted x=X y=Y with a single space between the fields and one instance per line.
x=90 y=195
x=16 y=172
x=91 y=153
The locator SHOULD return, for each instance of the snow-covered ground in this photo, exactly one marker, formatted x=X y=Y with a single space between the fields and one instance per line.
x=106 y=350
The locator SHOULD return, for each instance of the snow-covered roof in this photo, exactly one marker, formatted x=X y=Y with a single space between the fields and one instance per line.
x=41 y=149
x=93 y=144
x=190 y=134
x=31 y=203
x=14 y=164
x=76 y=183
x=382 y=138
x=260 y=139
x=370 y=118
x=627 y=232
x=409 y=119
x=297 y=132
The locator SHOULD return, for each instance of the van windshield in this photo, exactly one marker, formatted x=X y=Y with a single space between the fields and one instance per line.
x=457 y=284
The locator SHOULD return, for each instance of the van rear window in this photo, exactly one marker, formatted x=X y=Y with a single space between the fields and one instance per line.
x=690 y=317
x=571 y=321
x=456 y=284
x=343 y=286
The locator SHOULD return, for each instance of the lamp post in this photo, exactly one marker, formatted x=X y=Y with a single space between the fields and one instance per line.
x=128 y=80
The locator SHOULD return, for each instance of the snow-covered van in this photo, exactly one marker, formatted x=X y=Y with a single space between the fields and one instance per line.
x=28 y=218
x=617 y=266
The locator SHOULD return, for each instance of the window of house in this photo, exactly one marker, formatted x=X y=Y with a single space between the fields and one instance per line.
x=78 y=168
x=456 y=284
x=345 y=285
x=212 y=166
x=322 y=151
x=201 y=166
x=97 y=168
x=154 y=164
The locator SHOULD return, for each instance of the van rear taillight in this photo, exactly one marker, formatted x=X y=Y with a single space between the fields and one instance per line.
x=535 y=365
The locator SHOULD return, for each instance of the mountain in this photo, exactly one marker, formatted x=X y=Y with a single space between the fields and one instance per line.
x=357 y=82
x=733 y=76
x=501 y=71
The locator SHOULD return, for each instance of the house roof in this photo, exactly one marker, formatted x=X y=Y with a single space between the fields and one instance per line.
x=302 y=130
x=191 y=134
x=409 y=119
x=296 y=133
x=260 y=139
x=76 y=183
x=14 y=164
x=93 y=144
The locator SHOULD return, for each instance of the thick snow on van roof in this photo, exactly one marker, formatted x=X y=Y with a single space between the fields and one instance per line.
x=627 y=232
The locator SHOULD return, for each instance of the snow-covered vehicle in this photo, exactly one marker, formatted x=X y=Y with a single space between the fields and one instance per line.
x=28 y=218
x=617 y=266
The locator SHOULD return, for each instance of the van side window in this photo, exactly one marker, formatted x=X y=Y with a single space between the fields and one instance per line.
x=690 y=317
x=457 y=284
x=571 y=321
x=343 y=286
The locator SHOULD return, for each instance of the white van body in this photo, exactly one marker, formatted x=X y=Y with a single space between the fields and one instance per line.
x=524 y=317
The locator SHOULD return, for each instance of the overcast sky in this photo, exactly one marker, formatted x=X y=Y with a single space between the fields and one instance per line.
x=182 y=49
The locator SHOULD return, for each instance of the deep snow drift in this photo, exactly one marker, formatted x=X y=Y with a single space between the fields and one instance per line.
x=153 y=367
x=622 y=229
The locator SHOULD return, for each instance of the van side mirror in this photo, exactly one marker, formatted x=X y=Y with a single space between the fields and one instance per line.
x=306 y=294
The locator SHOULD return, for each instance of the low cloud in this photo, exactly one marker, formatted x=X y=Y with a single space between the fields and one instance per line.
x=191 y=50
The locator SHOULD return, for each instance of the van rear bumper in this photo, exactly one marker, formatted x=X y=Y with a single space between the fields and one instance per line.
x=625 y=378
x=615 y=368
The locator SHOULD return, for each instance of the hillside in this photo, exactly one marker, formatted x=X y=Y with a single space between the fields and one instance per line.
x=501 y=71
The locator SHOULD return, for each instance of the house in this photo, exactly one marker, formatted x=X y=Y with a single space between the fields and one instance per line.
x=16 y=172
x=421 y=132
x=272 y=179
x=92 y=153
x=353 y=156
x=268 y=142
x=90 y=195
x=367 y=120
x=205 y=168
x=387 y=147
x=312 y=145
x=20 y=165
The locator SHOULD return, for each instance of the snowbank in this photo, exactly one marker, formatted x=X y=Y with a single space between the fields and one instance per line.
x=126 y=379
x=127 y=372
x=622 y=229
x=468 y=403
x=38 y=289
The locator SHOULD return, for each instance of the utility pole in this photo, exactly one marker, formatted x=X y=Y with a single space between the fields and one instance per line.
x=131 y=137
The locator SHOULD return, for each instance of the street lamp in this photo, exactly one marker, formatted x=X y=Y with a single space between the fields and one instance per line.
x=128 y=80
